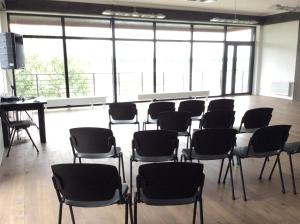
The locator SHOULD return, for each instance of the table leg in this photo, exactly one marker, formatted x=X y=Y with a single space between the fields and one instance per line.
x=41 y=115
x=5 y=131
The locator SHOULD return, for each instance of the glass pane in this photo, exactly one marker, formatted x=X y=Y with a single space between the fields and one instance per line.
x=36 y=25
x=44 y=71
x=229 y=69
x=207 y=67
x=173 y=68
x=90 y=68
x=202 y=32
x=239 y=34
x=88 y=28
x=134 y=30
x=242 y=69
x=167 y=31
x=134 y=69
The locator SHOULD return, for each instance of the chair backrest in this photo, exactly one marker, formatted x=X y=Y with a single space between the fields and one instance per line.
x=92 y=140
x=218 y=119
x=155 y=143
x=257 y=118
x=122 y=111
x=159 y=107
x=221 y=104
x=86 y=182
x=195 y=107
x=174 y=121
x=170 y=180
x=268 y=139
x=214 y=141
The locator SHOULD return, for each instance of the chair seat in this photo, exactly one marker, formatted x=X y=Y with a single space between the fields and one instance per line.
x=242 y=152
x=89 y=204
x=291 y=148
x=150 y=121
x=124 y=122
x=194 y=155
x=245 y=130
x=21 y=124
x=100 y=155
x=166 y=202
x=196 y=118
x=153 y=159
x=183 y=133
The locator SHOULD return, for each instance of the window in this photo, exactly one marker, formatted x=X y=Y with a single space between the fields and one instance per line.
x=88 y=28
x=36 y=25
x=134 y=68
x=44 y=71
x=239 y=33
x=90 y=68
x=166 y=31
x=210 y=33
x=173 y=72
x=134 y=30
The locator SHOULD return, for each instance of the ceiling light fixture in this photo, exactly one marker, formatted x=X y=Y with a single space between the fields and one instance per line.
x=286 y=8
x=235 y=20
x=133 y=14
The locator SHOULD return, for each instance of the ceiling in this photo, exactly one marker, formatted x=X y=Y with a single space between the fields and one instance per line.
x=247 y=7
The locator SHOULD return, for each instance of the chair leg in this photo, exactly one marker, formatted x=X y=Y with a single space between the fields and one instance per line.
x=292 y=174
x=135 y=209
x=60 y=213
x=123 y=170
x=201 y=210
x=263 y=168
x=11 y=141
x=79 y=160
x=126 y=212
x=273 y=168
x=72 y=214
x=131 y=176
x=231 y=180
x=233 y=164
x=195 y=211
x=138 y=126
x=281 y=177
x=226 y=172
x=74 y=160
x=31 y=140
x=129 y=200
x=221 y=169
x=242 y=178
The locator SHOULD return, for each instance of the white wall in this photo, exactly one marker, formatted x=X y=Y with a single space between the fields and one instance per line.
x=3 y=84
x=277 y=56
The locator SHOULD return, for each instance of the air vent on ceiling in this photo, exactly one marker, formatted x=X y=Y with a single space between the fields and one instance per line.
x=286 y=8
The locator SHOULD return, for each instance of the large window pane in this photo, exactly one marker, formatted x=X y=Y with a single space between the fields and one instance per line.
x=36 y=25
x=239 y=34
x=134 y=69
x=90 y=68
x=88 y=28
x=173 y=60
x=44 y=69
x=211 y=33
x=207 y=67
x=242 y=69
x=166 y=31
x=134 y=30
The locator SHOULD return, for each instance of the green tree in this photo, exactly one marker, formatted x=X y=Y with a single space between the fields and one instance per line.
x=47 y=78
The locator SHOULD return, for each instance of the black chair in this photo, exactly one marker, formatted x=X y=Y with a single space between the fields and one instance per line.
x=153 y=146
x=212 y=144
x=123 y=113
x=15 y=126
x=194 y=107
x=291 y=149
x=264 y=143
x=154 y=110
x=217 y=119
x=254 y=119
x=89 y=185
x=221 y=104
x=164 y=184
x=95 y=143
x=176 y=121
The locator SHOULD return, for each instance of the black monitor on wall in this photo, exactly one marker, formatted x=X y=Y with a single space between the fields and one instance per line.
x=11 y=51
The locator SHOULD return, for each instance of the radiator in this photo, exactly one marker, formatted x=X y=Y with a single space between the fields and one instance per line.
x=283 y=88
